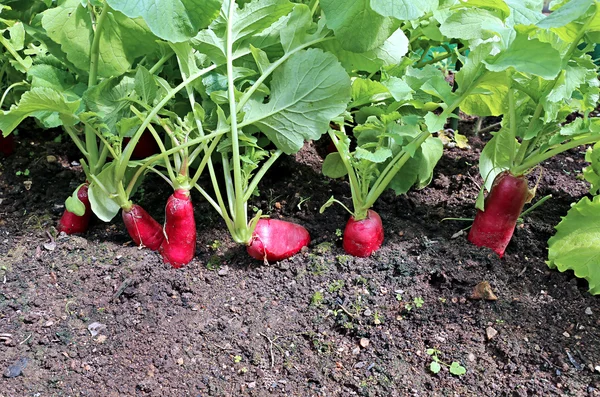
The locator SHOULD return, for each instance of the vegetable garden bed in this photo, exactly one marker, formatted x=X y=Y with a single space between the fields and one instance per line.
x=319 y=324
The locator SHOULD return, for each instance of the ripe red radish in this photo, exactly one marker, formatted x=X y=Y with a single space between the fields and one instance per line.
x=274 y=240
x=71 y=223
x=494 y=227
x=145 y=147
x=7 y=144
x=142 y=228
x=363 y=237
x=179 y=245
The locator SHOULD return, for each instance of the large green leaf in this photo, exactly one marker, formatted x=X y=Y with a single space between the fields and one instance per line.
x=357 y=27
x=109 y=99
x=41 y=99
x=403 y=10
x=576 y=245
x=528 y=56
x=489 y=98
x=569 y=12
x=471 y=24
x=122 y=39
x=101 y=193
x=307 y=91
x=171 y=20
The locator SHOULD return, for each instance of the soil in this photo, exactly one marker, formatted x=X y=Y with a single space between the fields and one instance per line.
x=93 y=315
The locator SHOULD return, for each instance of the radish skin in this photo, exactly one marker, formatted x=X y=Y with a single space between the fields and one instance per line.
x=142 y=228
x=274 y=240
x=494 y=227
x=362 y=238
x=179 y=246
x=7 y=144
x=74 y=224
x=145 y=147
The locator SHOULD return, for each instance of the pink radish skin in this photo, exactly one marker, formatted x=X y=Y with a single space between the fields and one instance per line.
x=142 y=228
x=179 y=245
x=274 y=240
x=7 y=144
x=74 y=224
x=362 y=238
x=494 y=227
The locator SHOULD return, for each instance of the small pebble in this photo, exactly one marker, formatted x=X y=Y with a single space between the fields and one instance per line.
x=16 y=368
x=223 y=271
x=96 y=328
x=51 y=159
x=471 y=357
x=49 y=323
x=491 y=333
x=566 y=334
x=251 y=385
x=364 y=342
x=588 y=311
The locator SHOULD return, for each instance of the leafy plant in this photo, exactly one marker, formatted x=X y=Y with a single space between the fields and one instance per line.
x=436 y=364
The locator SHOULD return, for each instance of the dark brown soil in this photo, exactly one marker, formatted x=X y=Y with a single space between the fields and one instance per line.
x=319 y=324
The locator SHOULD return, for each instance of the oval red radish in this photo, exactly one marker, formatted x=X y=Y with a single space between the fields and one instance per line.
x=274 y=240
x=363 y=237
x=179 y=246
x=145 y=147
x=71 y=223
x=7 y=144
x=494 y=227
x=142 y=228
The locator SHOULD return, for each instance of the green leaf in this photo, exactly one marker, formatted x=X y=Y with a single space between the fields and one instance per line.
x=122 y=39
x=457 y=369
x=404 y=10
x=567 y=13
x=357 y=27
x=74 y=205
x=435 y=367
x=418 y=170
x=108 y=99
x=399 y=89
x=39 y=99
x=366 y=91
x=497 y=156
x=528 y=56
x=591 y=173
x=171 y=20
x=307 y=91
x=489 y=98
x=471 y=24
x=576 y=245
x=101 y=193
x=378 y=156
x=333 y=166
x=145 y=86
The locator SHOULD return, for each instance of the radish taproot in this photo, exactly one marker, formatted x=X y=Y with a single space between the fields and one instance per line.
x=274 y=240
x=7 y=144
x=494 y=227
x=363 y=237
x=144 y=230
x=71 y=223
x=179 y=246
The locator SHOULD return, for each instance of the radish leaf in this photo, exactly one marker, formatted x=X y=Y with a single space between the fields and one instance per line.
x=403 y=10
x=576 y=245
x=333 y=166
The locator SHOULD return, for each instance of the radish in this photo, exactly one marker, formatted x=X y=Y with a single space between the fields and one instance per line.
x=494 y=227
x=274 y=240
x=363 y=237
x=7 y=144
x=71 y=223
x=142 y=228
x=179 y=245
x=145 y=147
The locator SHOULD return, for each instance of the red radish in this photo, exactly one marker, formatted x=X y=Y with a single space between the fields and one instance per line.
x=145 y=147
x=494 y=227
x=71 y=223
x=142 y=228
x=274 y=240
x=7 y=144
x=362 y=238
x=179 y=245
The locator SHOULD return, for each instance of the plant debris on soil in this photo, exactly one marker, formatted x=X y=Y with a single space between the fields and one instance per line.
x=93 y=315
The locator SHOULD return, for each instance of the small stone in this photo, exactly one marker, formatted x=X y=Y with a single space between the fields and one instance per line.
x=566 y=334
x=588 y=311
x=356 y=351
x=51 y=159
x=101 y=339
x=49 y=323
x=223 y=271
x=483 y=290
x=251 y=385
x=360 y=364
x=278 y=205
x=50 y=246
x=471 y=357
x=180 y=361
x=491 y=333
x=364 y=342
x=16 y=368
x=457 y=234
x=96 y=328
x=367 y=312
x=597 y=368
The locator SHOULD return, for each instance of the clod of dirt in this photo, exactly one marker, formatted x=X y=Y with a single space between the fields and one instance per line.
x=483 y=290
x=490 y=333
x=96 y=328
x=16 y=368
